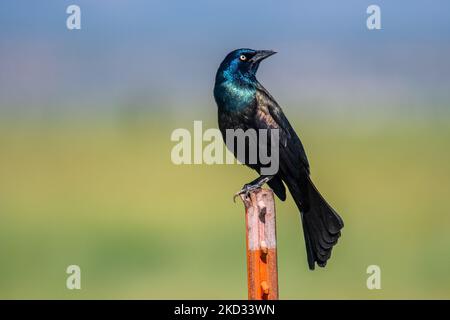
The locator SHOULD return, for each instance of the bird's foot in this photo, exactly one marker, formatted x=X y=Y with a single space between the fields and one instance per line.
x=249 y=187
x=246 y=189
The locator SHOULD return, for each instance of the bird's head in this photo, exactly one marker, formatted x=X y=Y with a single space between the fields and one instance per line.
x=242 y=63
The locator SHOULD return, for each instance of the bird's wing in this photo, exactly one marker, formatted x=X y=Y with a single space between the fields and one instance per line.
x=270 y=116
x=321 y=224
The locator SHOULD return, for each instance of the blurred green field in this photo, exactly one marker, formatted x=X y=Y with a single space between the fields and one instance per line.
x=107 y=198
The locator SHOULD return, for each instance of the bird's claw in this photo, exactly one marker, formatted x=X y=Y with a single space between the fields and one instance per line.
x=246 y=190
x=249 y=187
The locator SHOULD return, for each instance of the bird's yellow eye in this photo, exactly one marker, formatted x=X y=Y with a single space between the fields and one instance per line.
x=243 y=57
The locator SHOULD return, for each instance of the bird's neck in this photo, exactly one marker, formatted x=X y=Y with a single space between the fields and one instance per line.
x=235 y=94
x=235 y=76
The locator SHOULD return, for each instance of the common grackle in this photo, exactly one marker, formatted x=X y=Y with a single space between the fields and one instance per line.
x=243 y=103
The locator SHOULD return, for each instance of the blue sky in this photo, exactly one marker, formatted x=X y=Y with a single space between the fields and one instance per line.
x=164 y=54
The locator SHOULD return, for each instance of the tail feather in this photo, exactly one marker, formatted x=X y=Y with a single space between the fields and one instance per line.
x=321 y=224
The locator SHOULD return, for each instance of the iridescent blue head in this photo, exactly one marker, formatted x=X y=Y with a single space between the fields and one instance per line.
x=235 y=87
x=241 y=64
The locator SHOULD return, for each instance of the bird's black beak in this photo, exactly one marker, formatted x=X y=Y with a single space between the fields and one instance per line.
x=261 y=55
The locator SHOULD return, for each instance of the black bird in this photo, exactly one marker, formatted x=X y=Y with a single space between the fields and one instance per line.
x=243 y=103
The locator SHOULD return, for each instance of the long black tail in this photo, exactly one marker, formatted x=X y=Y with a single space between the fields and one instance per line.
x=321 y=224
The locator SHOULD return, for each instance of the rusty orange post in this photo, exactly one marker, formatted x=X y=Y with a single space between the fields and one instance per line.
x=262 y=270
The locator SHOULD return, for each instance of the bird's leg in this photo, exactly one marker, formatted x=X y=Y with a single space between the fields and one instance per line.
x=255 y=184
